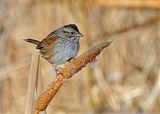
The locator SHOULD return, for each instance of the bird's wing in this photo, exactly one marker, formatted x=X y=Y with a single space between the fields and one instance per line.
x=51 y=34
x=49 y=40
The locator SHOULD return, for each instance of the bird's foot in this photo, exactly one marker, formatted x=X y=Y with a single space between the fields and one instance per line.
x=57 y=69
x=72 y=58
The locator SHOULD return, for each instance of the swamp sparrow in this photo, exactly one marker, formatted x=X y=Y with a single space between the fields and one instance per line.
x=60 y=45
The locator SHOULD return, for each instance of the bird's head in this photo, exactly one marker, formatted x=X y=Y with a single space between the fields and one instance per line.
x=70 y=32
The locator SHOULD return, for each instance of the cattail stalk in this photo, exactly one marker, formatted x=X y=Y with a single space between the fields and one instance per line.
x=67 y=72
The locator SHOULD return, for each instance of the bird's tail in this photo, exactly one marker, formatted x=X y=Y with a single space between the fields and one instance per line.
x=32 y=41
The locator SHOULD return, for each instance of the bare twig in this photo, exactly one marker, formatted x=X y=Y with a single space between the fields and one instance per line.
x=70 y=69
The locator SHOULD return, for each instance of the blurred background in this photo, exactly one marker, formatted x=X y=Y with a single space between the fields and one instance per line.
x=127 y=76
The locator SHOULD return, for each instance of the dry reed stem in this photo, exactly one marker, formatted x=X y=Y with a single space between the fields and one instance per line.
x=152 y=4
x=154 y=94
x=67 y=72
x=39 y=85
x=151 y=21
x=14 y=67
x=32 y=84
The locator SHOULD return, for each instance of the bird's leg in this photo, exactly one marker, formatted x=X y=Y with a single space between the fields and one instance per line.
x=57 y=69
x=72 y=58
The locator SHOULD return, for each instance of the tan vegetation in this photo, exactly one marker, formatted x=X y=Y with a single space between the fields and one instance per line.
x=127 y=75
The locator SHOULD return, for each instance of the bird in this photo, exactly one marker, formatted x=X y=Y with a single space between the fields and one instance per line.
x=59 y=46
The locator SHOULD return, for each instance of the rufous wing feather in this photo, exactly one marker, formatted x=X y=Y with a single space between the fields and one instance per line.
x=47 y=41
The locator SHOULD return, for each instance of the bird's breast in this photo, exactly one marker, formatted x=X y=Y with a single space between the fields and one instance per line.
x=61 y=51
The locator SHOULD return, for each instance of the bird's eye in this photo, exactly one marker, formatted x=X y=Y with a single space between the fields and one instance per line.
x=72 y=32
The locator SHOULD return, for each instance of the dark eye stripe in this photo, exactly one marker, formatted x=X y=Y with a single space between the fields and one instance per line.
x=65 y=31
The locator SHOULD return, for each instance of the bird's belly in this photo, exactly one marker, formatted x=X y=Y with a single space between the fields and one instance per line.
x=62 y=53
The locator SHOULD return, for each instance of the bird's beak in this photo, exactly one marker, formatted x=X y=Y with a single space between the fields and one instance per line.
x=79 y=35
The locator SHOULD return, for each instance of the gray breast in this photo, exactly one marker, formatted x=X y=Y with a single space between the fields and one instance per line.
x=63 y=51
